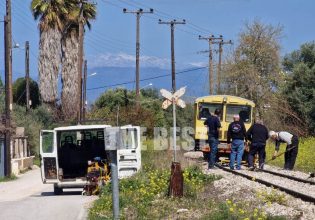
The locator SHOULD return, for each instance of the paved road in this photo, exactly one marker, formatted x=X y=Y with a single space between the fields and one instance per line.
x=27 y=198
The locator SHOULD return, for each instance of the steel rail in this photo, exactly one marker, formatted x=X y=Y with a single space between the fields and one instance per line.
x=293 y=193
x=288 y=177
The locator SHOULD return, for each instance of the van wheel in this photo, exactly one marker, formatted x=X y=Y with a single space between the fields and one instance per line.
x=57 y=190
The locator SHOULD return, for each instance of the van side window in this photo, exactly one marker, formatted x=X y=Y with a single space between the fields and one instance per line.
x=47 y=142
x=129 y=138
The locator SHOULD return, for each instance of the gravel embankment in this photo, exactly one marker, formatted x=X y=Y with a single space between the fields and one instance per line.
x=235 y=187
x=304 y=188
x=298 y=174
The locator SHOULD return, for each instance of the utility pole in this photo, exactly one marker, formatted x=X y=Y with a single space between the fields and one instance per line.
x=172 y=25
x=8 y=86
x=27 y=74
x=212 y=40
x=84 y=90
x=138 y=13
x=221 y=43
x=80 y=61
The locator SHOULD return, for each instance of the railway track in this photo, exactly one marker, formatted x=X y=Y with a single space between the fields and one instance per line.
x=289 y=177
x=282 y=178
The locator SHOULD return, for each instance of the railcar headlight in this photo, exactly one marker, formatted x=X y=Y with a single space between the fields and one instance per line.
x=224 y=99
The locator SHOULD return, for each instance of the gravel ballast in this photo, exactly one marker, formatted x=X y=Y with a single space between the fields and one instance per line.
x=238 y=188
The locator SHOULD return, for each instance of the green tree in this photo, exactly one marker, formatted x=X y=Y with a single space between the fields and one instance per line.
x=254 y=67
x=118 y=106
x=111 y=99
x=299 y=88
x=19 y=92
x=70 y=46
x=33 y=121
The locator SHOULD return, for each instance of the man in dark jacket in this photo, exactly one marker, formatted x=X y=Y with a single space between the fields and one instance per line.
x=236 y=132
x=213 y=124
x=258 y=135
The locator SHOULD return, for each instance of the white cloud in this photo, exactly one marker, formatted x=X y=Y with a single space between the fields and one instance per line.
x=127 y=60
x=198 y=64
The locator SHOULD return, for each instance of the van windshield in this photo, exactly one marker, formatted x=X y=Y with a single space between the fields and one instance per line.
x=206 y=108
x=244 y=111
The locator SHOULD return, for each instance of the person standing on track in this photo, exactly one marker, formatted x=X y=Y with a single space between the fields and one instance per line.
x=257 y=134
x=213 y=124
x=291 y=152
x=236 y=132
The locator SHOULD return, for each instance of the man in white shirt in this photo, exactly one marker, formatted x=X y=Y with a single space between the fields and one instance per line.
x=291 y=152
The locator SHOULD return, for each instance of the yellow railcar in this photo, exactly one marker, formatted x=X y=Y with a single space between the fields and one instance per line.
x=229 y=106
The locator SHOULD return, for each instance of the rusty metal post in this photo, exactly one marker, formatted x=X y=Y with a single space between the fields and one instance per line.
x=177 y=181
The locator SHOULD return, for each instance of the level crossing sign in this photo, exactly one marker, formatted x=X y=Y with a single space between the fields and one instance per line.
x=173 y=99
x=170 y=98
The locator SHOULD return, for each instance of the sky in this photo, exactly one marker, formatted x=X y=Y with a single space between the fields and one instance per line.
x=111 y=41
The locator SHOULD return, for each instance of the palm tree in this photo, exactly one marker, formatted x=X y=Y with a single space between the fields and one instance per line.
x=70 y=46
x=51 y=16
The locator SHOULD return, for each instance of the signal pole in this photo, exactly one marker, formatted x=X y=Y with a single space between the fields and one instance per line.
x=84 y=90
x=8 y=86
x=138 y=13
x=172 y=25
x=212 y=40
x=221 y=43
x=27 y=74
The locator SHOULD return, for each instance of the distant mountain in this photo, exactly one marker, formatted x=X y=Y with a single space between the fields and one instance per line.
x=105 y=78
x=196 y=80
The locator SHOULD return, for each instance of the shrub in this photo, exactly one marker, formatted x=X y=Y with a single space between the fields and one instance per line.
x=33 y=121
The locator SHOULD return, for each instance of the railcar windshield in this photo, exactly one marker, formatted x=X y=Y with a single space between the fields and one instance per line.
x=206 y=108
x=244 y=111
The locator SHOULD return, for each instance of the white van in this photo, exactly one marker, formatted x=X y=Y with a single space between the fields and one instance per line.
x=65 y=152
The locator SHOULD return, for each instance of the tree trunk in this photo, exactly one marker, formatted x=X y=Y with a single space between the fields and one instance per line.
x=49 y=64
x=69 y=95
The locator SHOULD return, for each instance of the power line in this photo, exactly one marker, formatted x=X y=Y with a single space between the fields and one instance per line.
x=113 y=4
x=146 y=79
x=188 y=32
x=160 y=14
x=22 y=18
x=101 y=44
x=110 y=39
x=169 y=16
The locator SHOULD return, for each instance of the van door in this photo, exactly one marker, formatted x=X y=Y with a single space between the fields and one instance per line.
x=48 y=156
x=129 y=154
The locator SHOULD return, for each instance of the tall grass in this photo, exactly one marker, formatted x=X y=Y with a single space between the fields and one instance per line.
x=305 y=160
